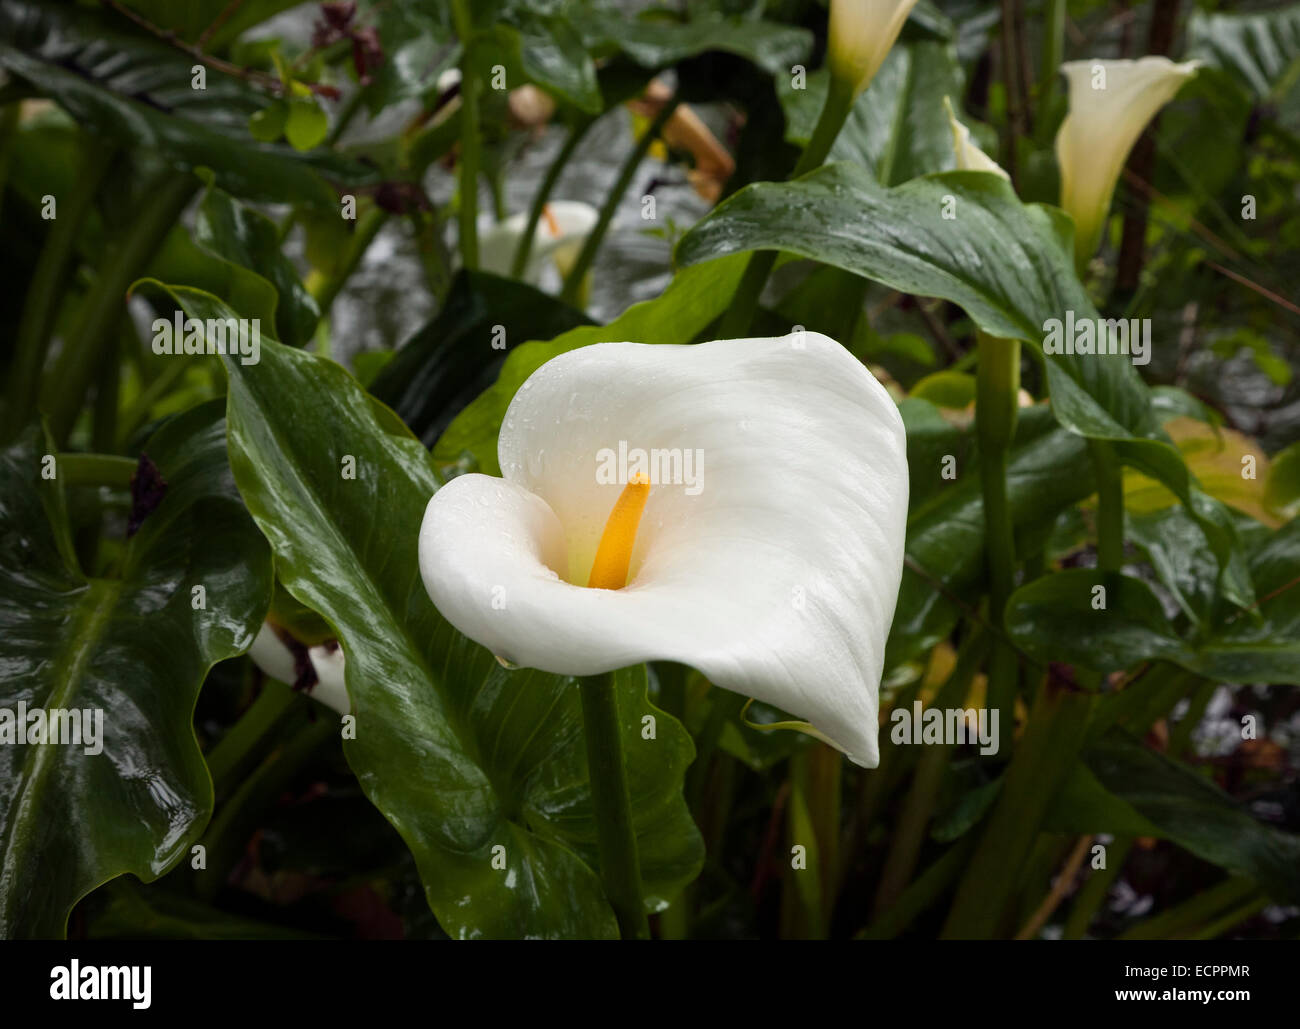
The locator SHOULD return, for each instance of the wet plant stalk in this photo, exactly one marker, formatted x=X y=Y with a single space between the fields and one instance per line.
x=996 y=409
x=98 y=318
x=1110 y=506
x=1044 y=756
x=468 y=167
x=744 y=303
x=543 y=195
x=43 y=295
x=573 y=281
x=620 y=868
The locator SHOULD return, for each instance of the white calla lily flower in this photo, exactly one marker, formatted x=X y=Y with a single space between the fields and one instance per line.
x=860 y=35
x=737 y=506
x=1111 y=102
x=559 y=236
x=276 y=659
x=969 y=156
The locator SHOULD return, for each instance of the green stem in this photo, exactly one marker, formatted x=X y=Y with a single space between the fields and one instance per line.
x=910 y=832
x=137 y=412
x=238 y=817
x=740 y=314
x=470 y=143
x=43 y=293
x=543 y=195
x=368 y=227
x=804 y=899
x=1236 y=916
x=1110 y=506
x=9 y=126
x=1043 y=759
x=996 y=411
x=234 y=752
x=620 y=869
x=1096 y=889
x=162 y=201
x=1181 y=737
x=923 y=892
x=1184 y=919
x=1053 y=53
x=96 y=470
x=573 y=281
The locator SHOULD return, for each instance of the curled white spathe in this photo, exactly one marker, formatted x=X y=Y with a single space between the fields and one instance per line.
x=272 y=655
x=777 y=579
x=860 y=35
x=559 y=237
x=968 y=155
x=1111 y=102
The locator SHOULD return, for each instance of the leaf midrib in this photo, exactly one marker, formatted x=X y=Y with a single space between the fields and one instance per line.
x=95 y=612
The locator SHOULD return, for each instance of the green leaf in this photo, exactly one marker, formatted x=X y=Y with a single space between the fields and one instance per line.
x=458 y=753
x=1257 y=50
x=307 y=125
x=1053 y=618
x=1128 y=789
x=248 y=238
x=659 y=43
x=692 y=301
x=898 y=128
x=124 y=83
x=217 y=21
x=267 y=125
x=135 y=648
x=967 y=238
x=550 y=53
x=450 y=361
x=1282 y=488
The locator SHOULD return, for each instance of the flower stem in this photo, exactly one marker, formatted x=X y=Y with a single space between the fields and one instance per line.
x=98 y=318
x=1110 y=506
x=1183 y=920
x=1044 y=756
x=620 y=869
x=39 y=310
x=544 y=194
x=96 y=470
x=744 y=303
x=996 y=410
x=573 y=281
x=469 y=137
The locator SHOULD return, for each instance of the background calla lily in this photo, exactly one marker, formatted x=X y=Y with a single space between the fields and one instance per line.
x=860 y=36
x=969 y=156
x=776 y=578
x=275 y=658
x=561 y=231
x=1110 y=104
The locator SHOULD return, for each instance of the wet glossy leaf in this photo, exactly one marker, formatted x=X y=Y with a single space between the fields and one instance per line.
x=249 y=239
x=461 y=755
x=135 y=648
